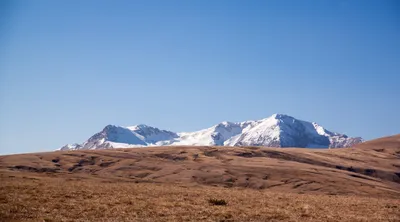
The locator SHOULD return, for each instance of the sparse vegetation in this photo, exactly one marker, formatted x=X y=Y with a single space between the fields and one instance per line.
x=218 y=202
x=167 y=184
x=37 y=198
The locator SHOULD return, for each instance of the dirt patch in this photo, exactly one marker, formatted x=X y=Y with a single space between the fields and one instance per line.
x=170 y=157
x=34 y=169
x=106 y=164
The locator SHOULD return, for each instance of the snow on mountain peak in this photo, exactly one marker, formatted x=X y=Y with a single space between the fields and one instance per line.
x=278 y=116
x=278 y=130
x=139 y=126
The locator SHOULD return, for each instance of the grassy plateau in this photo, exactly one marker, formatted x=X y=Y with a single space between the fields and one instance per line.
x=204 y=184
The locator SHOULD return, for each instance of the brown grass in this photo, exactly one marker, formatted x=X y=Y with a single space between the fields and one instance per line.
x=55 y=199
x=177 y=183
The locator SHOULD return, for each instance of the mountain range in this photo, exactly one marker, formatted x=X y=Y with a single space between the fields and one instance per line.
x=278 y=130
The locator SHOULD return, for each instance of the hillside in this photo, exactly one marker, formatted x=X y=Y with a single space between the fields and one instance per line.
x=175 y=183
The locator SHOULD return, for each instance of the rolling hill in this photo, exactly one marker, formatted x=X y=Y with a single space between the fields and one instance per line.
x=176 y=183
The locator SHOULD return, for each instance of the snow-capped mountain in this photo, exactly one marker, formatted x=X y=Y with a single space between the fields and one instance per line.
x=116 y=136
x=277 y=130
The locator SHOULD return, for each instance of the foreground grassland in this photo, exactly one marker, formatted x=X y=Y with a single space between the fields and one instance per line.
x=55 y=199
x=204 y=184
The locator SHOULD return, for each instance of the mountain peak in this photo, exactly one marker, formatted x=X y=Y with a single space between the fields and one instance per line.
x=139 y=126
x=280 y=116
x=224 y=124
x=109 y=126
x=278 y=130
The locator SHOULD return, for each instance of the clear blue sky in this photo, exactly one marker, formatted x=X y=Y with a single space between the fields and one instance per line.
x=68 y=68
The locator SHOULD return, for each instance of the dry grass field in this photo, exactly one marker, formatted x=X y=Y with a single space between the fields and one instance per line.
x=179 y=184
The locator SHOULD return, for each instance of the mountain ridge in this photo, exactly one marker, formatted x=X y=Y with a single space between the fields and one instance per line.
x=278 y=130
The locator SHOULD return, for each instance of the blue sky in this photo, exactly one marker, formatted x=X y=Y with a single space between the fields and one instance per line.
x=68 y=68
